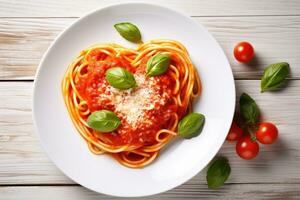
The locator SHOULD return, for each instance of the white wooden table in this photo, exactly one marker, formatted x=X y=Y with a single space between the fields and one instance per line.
x=273 y=26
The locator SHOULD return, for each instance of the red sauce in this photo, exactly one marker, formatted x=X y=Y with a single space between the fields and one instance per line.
x=93 y=89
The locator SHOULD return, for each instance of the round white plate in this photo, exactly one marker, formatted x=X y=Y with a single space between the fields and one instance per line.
x=177 y=163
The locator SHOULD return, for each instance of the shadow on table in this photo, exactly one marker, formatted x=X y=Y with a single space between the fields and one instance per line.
x=278 y=151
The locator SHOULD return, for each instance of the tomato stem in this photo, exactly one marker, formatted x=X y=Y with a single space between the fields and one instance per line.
x=251 y=131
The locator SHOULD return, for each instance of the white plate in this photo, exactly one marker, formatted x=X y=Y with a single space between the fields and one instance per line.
x=178 y=162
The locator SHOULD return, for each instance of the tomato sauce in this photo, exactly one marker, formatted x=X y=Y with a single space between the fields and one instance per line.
x=93 y=88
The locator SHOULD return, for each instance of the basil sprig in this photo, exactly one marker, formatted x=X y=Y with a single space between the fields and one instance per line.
x=157 y=64
x=249 y=109
x=103 y=121
x=120 y=78
x=191 y=125
x=274 y=75
x=129 y=31
x=218 y=172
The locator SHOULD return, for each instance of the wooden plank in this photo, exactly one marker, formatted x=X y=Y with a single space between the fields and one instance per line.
x=23 y=41
x=21 y=156
x=186 y=191
x=22 y=161
x=69 y=8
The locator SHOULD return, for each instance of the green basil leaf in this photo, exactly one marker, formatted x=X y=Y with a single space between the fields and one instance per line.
x=120 y=78
x=103 y=121
x=274 y=75
x=129 y=31
x=218 y=172
x=157 y=64
x=249 y=109
x=191 y=125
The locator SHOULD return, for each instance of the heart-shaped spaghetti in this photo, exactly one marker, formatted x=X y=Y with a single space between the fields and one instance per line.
x=149 y=113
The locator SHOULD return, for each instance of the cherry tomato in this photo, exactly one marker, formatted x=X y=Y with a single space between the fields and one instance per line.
x=267 y=133
x=246 y=148
x=243 y=52
x=234 y=133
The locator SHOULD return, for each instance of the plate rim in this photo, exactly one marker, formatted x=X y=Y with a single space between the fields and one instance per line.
x=91 y=12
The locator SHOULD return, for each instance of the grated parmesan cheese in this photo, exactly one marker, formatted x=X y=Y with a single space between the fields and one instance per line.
x=131 y=104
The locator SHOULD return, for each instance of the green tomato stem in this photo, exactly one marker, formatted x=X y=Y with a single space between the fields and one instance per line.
x=251 y=130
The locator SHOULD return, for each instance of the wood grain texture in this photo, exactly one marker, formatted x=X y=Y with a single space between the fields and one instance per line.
x=22 y=161
x=23 y=42
x=186 y=191
x=75 y=8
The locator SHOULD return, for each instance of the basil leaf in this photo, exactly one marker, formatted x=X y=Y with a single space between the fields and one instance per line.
x=129 y=31
x=103 y=121
x=120 y=78
x=157 y=65
x=191 y=125
x=218 y=172
x=249 y=109
x=274 y=75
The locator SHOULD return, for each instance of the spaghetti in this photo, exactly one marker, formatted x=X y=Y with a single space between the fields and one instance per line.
x=149 y=113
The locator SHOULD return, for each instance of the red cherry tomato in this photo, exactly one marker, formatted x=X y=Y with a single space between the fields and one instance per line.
x=267 y=133
x=234 y=133
x=243 y=52
x=246 y=148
